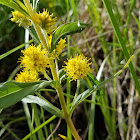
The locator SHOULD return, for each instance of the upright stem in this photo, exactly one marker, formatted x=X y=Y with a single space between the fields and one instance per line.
x=55 y=76
x=63 y=103
x=37 y=28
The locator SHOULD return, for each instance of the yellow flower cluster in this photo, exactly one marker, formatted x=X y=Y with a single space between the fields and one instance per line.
x=45 y=20
x=35 y=58
x=20 y=19
x=77 y=67
x=59 y=47
x=27 y=76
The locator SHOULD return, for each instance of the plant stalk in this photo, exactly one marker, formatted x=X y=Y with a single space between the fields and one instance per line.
x=63 y=103
x=36 y=26
x=55 y=76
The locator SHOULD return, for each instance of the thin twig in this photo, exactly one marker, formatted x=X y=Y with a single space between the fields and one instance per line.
x=54 y=129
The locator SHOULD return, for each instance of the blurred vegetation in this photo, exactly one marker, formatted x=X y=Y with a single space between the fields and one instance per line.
x=10 y=36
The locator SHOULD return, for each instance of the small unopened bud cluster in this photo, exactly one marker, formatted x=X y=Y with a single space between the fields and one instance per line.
x=20 y=19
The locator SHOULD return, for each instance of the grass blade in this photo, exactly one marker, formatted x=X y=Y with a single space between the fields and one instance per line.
x=122 y=42
x=39 y=127
x=15 y=49
x=92 y=112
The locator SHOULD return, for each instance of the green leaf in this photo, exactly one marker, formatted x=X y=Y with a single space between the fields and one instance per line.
x=15 y=49
x=44 y=103
x=17 y=5
x=91 y=90
x=66 y=29
x=12 y=92
x=93 y=79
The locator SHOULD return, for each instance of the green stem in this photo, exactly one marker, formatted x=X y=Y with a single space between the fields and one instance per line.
x=63 y=103
x=58 y=88
x=36 y=26
x=55 y=76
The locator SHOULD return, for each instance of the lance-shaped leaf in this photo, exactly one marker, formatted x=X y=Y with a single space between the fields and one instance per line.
x=91 y=90
x=12 y=92
x=66 y=29
x=44 y=103
x=16 y=5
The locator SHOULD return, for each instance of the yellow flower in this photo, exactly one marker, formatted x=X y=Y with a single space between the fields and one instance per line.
x=59 y=47
x=77 y=67
x=20 y=19
x=35 y=58
x=27 y=76
x=49 y=41
x=45 y=20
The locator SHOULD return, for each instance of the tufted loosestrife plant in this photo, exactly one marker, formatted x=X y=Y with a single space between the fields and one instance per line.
x=37 y=58
x=42 y=55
